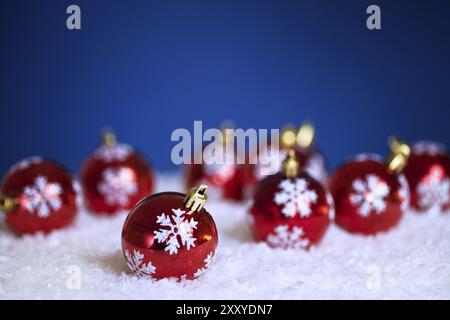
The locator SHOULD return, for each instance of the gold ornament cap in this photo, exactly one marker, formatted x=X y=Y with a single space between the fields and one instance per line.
x=399 y=156
x=288 y=137
x=108 y=138
x=290 y=166
x=7 y=204
x=196 y=198
x=306 y=135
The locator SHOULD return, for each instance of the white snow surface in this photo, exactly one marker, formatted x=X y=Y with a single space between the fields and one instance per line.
x=410 y=262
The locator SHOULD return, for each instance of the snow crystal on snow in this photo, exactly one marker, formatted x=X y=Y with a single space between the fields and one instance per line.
x=86 y=262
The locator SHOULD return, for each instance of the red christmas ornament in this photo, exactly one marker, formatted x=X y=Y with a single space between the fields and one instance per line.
x=38 y=195
x=290 y=209
x=428 y=175
x=370 y=196
x=302 y=141
x=231 y=181
x=115 y=177
x=170 y=235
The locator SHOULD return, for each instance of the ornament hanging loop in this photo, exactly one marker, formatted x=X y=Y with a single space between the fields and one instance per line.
x=7 y=204
x=400 y=154
x=196 y=198
x=305 y=135
x=290 y=167
x=108 y=137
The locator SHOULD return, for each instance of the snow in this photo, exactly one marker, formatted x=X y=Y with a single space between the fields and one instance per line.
x=86 y=262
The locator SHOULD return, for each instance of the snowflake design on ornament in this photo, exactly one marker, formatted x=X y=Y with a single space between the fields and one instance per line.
x=370 y=194
x=208 y=262
x=42 y=197
x=77 y=188
x=117 y=185
x=25 y=163
x=288 y=239
x=117 y=152
x=404 y=192
x=434 y=189
x=134 y=262
x=427 y=147
x=295 y=195
x=179 y=233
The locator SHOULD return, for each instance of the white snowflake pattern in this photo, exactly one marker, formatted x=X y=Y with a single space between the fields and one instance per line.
x=25 y=163
x=428 y=147
x=78 y=193
x=117 y=185
x=365 y=157
x=284 y=238
x=134 y=262
x=330 y=202
x=295 y=196
x=208 y=263
x=180 y=232
x=404 y=192
x=434 y=189
x=370 y=194
x=117 y=152
x=42 y=197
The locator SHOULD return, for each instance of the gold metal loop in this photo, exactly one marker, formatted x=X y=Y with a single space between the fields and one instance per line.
x=108 y=137
x=196 y=198
x=290 y=166
x=399 y=156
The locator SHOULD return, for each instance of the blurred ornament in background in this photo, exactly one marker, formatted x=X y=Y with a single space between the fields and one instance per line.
x=428 y=175
x=290 y=209
x=38 y=195
x=229 y=179
x=115 y=177
x=302 y=141
x=371 y=195
x=170 y=235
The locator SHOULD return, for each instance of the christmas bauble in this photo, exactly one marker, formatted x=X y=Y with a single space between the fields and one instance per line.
x=428 y=175
x=115 y=177
x=302 y=141
x=170 y=235
x=38 y=195
x=370 y=195
x=290 y=209
x=227 y=179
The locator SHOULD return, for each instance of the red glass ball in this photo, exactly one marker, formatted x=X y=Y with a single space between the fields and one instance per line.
x=368 y=198
x=428 y=175
x=45 y=195
x=229 y=181
x=161 y=240
x=115 y=178
x=312 y=161
x=290 y=212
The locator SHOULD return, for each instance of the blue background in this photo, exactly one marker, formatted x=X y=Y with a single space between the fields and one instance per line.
x=148 y=67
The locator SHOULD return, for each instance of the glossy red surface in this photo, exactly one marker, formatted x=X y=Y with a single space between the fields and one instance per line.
x=114 y=181
x=168 y=256
x=428 y=175
x=368 y=199
x=232 y=180
x=310 y=213
x=46 y=198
